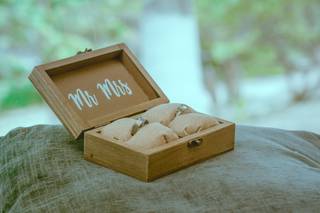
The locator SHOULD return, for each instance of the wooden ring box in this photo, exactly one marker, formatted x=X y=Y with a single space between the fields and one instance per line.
x=94 y=88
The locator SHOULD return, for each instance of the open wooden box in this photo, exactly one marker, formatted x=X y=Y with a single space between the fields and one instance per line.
x=78 y=89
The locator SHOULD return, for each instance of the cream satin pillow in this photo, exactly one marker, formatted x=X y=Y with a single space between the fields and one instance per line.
x=119 y=130
x=165 y=113
x=190 y=123
x=152 y=135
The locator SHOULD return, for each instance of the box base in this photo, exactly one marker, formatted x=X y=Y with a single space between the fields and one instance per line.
x=148 y=165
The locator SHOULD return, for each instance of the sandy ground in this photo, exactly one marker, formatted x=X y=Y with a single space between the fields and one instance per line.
x=303 y=116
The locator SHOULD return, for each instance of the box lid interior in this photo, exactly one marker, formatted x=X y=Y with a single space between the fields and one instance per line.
x=94 y=88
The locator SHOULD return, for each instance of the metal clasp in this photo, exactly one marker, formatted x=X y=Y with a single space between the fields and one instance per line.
x=195 y=143
x=84 y=51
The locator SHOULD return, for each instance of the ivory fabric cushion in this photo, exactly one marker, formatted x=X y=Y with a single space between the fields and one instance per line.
x=42 y=170
x=191 y=123
x=119 y=130
x=164 y=113
x=152 y=135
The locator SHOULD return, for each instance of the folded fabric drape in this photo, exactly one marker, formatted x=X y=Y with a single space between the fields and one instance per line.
x=159 y=125
x=165 y=113
x=152 y=135
x=191 y=123
x=119 y=130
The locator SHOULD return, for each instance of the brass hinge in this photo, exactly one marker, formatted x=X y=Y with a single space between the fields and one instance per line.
x=84 y=51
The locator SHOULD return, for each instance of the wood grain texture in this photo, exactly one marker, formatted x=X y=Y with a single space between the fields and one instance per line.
x=177 y=157
x=129 y=58
x=55 y=80
x=115 y=156
x=49 y=79
x=72 y=122
x=148 y=165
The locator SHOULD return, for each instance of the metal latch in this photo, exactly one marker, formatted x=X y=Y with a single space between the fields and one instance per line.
x=195 y=143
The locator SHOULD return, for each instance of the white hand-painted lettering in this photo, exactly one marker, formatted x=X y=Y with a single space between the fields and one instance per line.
x=83 y=97
x=118 y=88
x=126 y=87
x=109 y=88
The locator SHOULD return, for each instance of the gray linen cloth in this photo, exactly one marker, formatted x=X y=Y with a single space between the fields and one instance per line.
x=42 y=170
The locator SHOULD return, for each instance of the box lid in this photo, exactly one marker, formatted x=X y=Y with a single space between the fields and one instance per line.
x=94 y=88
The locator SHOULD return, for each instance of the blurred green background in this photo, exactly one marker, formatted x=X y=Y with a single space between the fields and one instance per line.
x=240 y=41
x=34 y=32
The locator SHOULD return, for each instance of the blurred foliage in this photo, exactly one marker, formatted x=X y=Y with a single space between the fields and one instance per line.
x=34 y=32
x=262 y=37
x=254 y=38
x=20 y=96
x=57 y=29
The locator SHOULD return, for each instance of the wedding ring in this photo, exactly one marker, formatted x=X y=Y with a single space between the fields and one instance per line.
x=181 y=109
x=140 y=122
